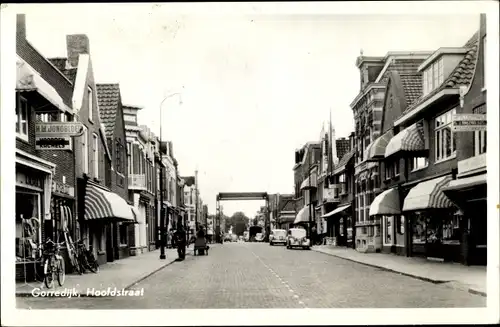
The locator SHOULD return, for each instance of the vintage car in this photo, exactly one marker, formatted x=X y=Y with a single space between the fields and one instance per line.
x=277 y=236
x=297 y=238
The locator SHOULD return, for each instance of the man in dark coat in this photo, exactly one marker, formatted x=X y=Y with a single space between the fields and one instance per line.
x=180 y=237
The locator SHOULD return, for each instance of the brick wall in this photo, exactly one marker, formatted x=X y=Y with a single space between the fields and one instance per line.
x=119 y=181
x=474 y=98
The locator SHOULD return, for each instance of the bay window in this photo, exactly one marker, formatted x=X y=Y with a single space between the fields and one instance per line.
x=445 y=143
x=22 y=113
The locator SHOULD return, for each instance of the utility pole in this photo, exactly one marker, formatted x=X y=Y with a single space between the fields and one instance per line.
x=197 y=200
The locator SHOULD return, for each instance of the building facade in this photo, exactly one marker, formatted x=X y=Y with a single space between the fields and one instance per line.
x=367 y=110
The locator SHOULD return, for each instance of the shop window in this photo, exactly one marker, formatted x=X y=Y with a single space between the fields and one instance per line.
x=371 y=231
x=451 y=229
x=123 y=234
x=445 y=142
x=419 y=229
x=22 y=119
x=400 y=225
x=434 y=230
x=341 y=226
x=417 y=163
x=28 y=225
x=388 y=229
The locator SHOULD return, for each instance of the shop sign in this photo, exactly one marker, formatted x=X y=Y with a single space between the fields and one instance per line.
x=330 y=194
x=61 y=188
x=59 y=128
x=53 y=143
x=468 y=122
x=26 y=180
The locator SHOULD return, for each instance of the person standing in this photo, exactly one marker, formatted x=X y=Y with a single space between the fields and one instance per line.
x=180 y=239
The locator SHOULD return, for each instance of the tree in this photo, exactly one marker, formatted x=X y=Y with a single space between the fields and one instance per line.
x=239 y=223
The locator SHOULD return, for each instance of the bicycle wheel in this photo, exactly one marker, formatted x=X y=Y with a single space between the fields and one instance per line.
x=84 y=264
x=48 y=273
x=75 y=265
x=93 y=264
x=61 y=273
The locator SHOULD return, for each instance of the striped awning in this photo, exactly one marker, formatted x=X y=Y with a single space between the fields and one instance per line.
x=101 y=204
x=386 y=203
x=466 y=183
x=336 y=211
x=304 y=215
x=376 y=149
x=409 y=139
x=428 y=195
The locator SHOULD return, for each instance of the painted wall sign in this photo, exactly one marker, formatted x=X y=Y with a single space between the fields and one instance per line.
x=53 y=143
x=59 y=129
x=60 y=188
x=26 y=180
x=468 y=122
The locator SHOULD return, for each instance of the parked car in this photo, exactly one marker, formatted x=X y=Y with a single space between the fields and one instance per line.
x=297 y=237
x=277 y=236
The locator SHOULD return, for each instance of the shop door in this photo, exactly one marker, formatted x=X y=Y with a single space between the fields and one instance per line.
x=109 y=243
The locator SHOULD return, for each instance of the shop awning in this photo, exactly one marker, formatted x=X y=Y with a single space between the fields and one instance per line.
x=386 y=203
x=28 y=79
x=336 y=211
x=101 y=204
x=464 y=183
x=428 y=195
x=308 y=183
x=137 y=214
x=304 y=215
x=409 y=139
x=376 y=150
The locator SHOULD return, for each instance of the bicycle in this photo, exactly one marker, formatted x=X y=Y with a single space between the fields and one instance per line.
x=53 y=264
x=86 y=257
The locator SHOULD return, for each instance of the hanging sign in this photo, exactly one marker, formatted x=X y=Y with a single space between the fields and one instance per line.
x=53 y=143
x=59 y=129
x=468 y=122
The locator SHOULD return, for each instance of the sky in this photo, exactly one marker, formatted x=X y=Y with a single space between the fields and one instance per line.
x=254 y=87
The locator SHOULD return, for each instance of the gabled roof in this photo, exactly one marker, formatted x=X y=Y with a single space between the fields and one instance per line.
x=412 y=86
x=345 y=159
x=461 y=75
x=108 y=97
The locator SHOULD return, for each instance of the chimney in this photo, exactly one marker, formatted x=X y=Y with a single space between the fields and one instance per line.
x=76 y=44
x=21 y=26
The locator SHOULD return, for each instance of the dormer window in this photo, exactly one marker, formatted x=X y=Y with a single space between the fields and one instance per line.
x=433 y=76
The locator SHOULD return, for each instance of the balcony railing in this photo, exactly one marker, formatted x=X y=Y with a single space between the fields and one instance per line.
x=137 y=182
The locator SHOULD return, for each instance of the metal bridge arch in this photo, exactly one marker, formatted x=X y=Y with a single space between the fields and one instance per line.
x=236 y=196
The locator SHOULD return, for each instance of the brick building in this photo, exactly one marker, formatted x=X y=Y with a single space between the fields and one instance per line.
x=420 y=159
x=45 y=178
x=367 y=108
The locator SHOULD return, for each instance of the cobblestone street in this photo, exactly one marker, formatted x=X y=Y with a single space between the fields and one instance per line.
x=256 y=275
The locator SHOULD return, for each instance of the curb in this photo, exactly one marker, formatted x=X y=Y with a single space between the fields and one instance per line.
x=28 y=294
x=433 y=281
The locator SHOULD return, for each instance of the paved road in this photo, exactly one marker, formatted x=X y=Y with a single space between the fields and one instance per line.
x=256 y=275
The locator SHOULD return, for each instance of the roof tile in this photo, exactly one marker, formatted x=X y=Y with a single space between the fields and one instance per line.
x=412 y=86
x=108 y=97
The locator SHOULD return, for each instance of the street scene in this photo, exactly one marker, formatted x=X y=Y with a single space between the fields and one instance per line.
x=168 y=161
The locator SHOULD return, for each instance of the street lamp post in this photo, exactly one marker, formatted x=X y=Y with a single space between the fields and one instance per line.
x=162 y=215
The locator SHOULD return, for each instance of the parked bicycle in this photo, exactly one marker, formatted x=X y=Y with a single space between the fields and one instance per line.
x=86 y=258
x=53 y=264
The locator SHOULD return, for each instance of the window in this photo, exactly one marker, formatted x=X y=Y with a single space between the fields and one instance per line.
x=22 y=113
x=123 y=234
x=418 y=163
x=391 y=169
x=96 y=155
x=444 y=136
x=119 y=160
x=485 y=66
x=433 y=76
x=388 y=229
x=129 y=159
x=419 y=229
x=479 y=142
x=85 y=150
x=90 y=94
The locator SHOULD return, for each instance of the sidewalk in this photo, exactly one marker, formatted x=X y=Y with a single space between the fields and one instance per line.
x=471 y=279
x=122 y=274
